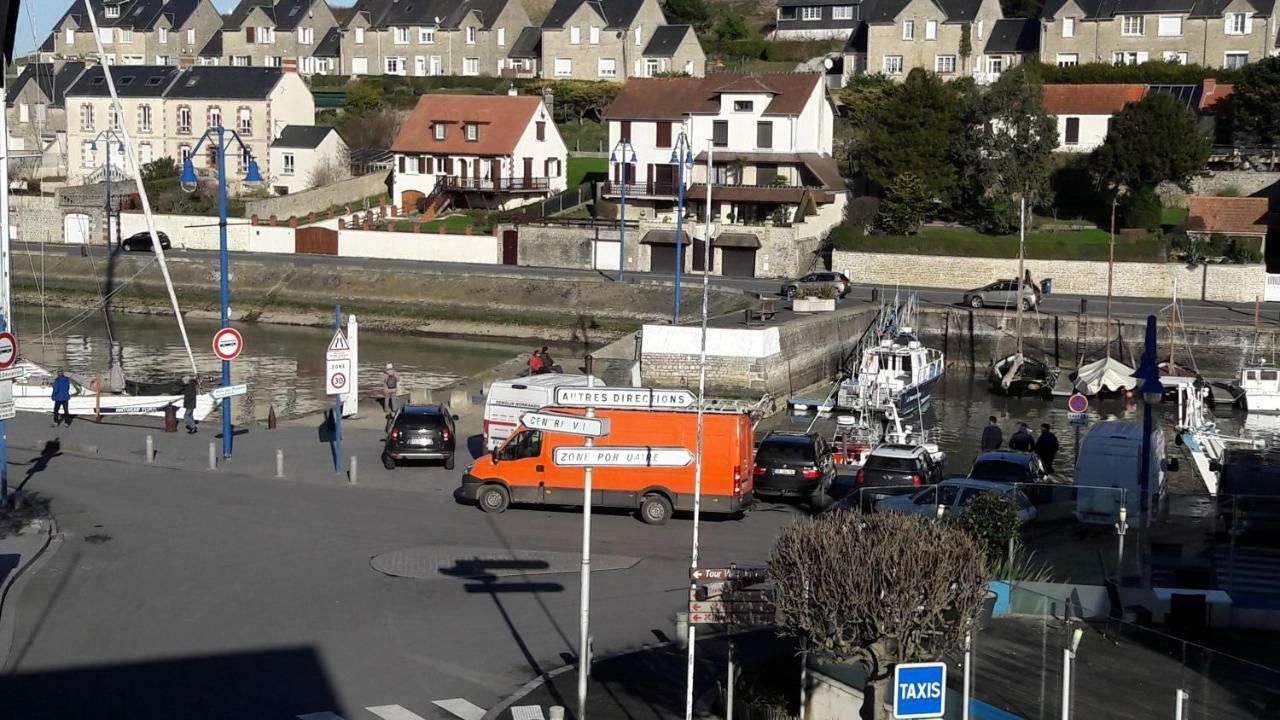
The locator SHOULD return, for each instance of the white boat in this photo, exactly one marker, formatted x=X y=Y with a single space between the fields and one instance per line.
x=858 y=434
x=1198 y=433
x=34 y=393
x=1259 y=388
x=1107 y=376
x=897 y=373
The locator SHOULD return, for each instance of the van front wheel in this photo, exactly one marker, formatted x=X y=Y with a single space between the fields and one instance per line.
x=655 y=510
x=493 y=498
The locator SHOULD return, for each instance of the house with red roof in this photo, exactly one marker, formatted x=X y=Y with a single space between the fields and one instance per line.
x=1238 y=216
x=1084 y=111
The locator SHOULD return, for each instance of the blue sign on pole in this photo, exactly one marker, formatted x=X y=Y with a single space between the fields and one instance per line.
x=919 y=690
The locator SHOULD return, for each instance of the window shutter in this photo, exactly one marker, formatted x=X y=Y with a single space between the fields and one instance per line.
x=448 y=166
x=401 y=164
x=625 y=130
x=664 y=134
x=422 y=165
x=541 y=129
x=1073 y=130
x=1248 y=23
x=248 y=34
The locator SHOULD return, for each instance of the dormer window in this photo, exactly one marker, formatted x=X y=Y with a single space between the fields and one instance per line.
x=111 y=11
x=437 y=130
x=472 y=131
x=743 y=105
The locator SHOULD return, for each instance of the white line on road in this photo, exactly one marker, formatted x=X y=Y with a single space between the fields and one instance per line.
x=396 y=712
x=320 y=716
x=460 y=707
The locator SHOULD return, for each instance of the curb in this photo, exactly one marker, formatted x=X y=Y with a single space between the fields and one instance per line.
x=6 y=626
x=70 y=448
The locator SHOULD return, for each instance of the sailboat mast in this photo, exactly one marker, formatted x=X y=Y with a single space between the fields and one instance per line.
x=1022 y=239
x=1173 y=321
x=5 y=279
x=1111 y=261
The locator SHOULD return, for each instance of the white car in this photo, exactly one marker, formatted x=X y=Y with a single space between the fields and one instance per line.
x=952 y=495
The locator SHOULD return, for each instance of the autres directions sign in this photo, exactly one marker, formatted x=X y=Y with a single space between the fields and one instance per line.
x=625 y=398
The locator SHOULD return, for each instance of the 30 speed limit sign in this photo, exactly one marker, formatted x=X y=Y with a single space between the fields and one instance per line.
x=337 y=377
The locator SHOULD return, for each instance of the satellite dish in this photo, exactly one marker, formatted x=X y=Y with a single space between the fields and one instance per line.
x=828 y=64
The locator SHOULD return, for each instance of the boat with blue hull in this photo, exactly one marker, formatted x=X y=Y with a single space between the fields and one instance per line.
x=898 y=372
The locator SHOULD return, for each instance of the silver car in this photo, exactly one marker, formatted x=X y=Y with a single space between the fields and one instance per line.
x=1001 y=293
x=814 y=282
x=952 y=495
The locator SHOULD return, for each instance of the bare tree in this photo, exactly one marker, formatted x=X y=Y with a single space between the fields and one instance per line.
x=877 y=589
x=327 y=172
x=376 y=129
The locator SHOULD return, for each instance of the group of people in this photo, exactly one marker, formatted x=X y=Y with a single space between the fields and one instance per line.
x=540 y=362
x=1045 y=446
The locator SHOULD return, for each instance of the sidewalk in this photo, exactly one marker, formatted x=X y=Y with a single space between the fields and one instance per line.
x=24 y=535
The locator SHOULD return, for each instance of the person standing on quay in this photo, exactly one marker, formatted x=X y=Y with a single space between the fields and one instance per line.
x=1022 y=440
x=190 y=389
x=61 y=399
x=1047 y=447
x=390 y=382
x=991 y=435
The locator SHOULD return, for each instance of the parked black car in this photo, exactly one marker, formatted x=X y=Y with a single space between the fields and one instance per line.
x=896 y=470
x=142 y=241
x=794 y=465
x=420 y=432
x=1024 y=469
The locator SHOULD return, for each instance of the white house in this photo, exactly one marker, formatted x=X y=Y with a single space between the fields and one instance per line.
x=496 y=151
x=301 y=150
x=1084 y=111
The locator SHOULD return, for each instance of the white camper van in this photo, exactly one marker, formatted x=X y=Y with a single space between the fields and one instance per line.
x=509 y=399
x=1107 y=469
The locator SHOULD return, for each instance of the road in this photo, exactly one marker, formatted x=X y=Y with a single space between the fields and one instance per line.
x=1193 y=311
x=193 y=595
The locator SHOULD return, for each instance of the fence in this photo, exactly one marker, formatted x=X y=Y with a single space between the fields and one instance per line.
x=564 y=202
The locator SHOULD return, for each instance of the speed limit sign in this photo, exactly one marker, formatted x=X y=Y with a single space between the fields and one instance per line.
x=337 y=376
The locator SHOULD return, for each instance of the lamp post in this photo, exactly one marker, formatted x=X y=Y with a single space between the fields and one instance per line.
x=108 y=136
x=622 y=154
x=1068 y=665
x=218 y=136
x=1149 y=381
x=682 y=156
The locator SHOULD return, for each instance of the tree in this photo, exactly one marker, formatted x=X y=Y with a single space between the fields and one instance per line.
x=1256 y=101
x=906 y=205
x=327 y=172
x=363 y=96
x=991 y=518
x=731 y=27
x=691 y=12
x=376 y=130
x=165 y=167
x=1154 y=140
x=877 y=589
x=915 y=130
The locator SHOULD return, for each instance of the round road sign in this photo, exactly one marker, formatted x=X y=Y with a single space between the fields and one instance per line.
x=227 y=343
x=1077 y=403
x=8 y=349
x=338 y=380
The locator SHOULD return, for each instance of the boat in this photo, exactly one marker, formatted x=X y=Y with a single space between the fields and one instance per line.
x=1198 y=432
x=1170 y=368
x=1106 y=376
x=1018 y=375
x=1258 y=390
x=897 y=374
x=858 y=434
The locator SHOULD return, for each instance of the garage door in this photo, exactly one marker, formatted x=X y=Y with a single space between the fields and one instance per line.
x=605 y=255
x=75 y=228
x=738 y=262
x=663 y=259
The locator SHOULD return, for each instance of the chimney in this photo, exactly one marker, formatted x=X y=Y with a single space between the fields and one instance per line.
x=549 y=99
x=511 y=91
x=1210 y=87
x=289 y=65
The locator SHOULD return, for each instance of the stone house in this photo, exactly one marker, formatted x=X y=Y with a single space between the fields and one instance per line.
x=136 y=32
x=1234 y=216
x=947 y=37
x=770 y=138
x=494 y=151
x=278 y=33
x=36 y=118
x=1222 y=33
x=615 y=40
x=819 y=19
x=300 y=151
x=431 y=37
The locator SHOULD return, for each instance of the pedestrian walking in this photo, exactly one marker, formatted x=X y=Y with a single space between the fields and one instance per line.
x=190 y=389
x=390 y=384
x=1021 y=439
x=535 y=363
x=548 y=365
x=61 y=399
x=992 y=435
x=1047 y=447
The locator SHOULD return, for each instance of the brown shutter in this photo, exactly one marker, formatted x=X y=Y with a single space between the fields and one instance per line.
x=542 y=130
x=625 y=130
x=401 y=164
x=664 y=134
x=422 y=164
x=495 y=170
x=248 y=34
x=448 y=166
x=475 y=168
x=1073 y=130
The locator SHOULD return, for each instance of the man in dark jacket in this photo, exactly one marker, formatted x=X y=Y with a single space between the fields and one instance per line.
x=190 y=389
x=61 y=398
x=1047 y=447
x=991 y=435
x=1022 y=440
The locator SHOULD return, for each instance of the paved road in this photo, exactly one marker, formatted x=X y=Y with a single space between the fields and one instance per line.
x=198 y=595
x=1128 y=307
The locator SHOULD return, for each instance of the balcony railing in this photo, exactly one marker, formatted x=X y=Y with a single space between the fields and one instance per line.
x=512 y=184
x=661 y=189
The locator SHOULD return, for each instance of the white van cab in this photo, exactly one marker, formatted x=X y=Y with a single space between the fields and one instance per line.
x=509 y=399
x=1107 y=470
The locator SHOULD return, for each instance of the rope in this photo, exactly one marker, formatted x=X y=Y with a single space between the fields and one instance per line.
x=92 y=309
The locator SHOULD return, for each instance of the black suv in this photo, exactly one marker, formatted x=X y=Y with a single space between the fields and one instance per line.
x=420 y=432
x=896 y=470
x=142 y=241
x=794 y=464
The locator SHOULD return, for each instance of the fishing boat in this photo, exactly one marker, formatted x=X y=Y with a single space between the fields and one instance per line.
x=1198 y=432
x=898 y=373
x=1258 y=390
x=1020 y=375
x=861 y=432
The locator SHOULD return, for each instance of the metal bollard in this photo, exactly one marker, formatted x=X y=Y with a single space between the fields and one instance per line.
x=557 y=712
x=151 y=449
x=353 y=471
x=682 y=630
x=213 y=456
x=279 y=463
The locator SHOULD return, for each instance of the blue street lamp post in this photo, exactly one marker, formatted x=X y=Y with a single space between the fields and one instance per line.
x=621 y=155
x=1148 y=376
x=109 y=136
x=188 y=180
x=682 y=156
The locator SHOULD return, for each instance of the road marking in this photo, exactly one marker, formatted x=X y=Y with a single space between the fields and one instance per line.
x=460 y=707
x=320 y=716
x=395 y=712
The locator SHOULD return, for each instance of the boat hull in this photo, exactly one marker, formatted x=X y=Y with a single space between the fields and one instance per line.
x=1034 y=379
x=1260 y=402
x=82 y=405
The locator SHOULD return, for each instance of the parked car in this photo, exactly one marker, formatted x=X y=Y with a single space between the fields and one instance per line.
x=142 y=241
x=1001 y=293
x=952 y=495
x=896 y=470
x=1023 y=468
x=790 y=464
x=420 y=432
x=814 y=282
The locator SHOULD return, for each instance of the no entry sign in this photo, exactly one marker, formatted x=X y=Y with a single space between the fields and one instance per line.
x=227 y=343
x=8 y=349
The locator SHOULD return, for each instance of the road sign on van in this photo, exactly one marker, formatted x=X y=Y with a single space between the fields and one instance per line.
x=625 y=398
x=568 y=424
x=919 y=690
x=606 y=456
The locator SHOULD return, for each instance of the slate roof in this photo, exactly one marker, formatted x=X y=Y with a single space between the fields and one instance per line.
x=1091 y=99
x=528 y=44
x=134 y=81
x=1108 y=9
x=616 y=13
x=215 y=82
x=303 y=137
x=213 y=48
x=502 y=120
x=330 y=45
x=961 y=11
x=1228 y=215
x=857 y=42
x=138 y=15
x=1013 y=35
x=666 y=40
x=815 y=3
x=53 y=83
x=673 y=98
x=447 y=14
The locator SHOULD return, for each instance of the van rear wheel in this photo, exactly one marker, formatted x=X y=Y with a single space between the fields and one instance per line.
x=493 y=498
x=655 y=510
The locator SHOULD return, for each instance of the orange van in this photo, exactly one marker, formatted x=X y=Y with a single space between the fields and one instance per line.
x=521 y=469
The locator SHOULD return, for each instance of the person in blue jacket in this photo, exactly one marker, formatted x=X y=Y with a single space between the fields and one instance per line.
x=61 y=397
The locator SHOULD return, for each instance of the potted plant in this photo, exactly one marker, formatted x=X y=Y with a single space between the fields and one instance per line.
x=821 y=300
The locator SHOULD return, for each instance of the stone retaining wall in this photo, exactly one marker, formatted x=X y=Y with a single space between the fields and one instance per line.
x=320 y=199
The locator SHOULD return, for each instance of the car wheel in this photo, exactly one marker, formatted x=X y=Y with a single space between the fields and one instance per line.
x=448 y=463
x=124 y=247
x=655 y=510
x=388 y=462
x=975 y=301
x=493 y=498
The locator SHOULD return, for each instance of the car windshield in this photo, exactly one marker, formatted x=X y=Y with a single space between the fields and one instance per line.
x=891 y=464
x=999 y=471
x=781 y=451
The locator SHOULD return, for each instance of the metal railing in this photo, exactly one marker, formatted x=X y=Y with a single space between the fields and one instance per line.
x=502 y=184
x=642 y=189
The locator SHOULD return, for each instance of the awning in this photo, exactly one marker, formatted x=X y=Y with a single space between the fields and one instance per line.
x=660 y=237
x=736 y=240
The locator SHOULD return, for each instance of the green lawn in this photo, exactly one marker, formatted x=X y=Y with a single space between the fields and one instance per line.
x=456 y=224
x=587 y=136
x=1041 y=245
x=580 y=167
x=1173 y=215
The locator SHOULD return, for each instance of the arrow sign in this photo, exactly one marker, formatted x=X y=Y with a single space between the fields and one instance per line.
x=228 y=391
x=734 y=619
x=568 y=424
x=13 y=373
x=717 y=606
x=744 y=574
x=625 y=398
x=606 y=456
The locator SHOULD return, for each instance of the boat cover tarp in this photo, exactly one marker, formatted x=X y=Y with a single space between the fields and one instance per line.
x=1105 y=375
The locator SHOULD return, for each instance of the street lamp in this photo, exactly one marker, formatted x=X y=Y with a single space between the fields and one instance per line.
x=622 y=154
x=188 y=181
x=1148 y=376
x=682 y=156
x=109 y=136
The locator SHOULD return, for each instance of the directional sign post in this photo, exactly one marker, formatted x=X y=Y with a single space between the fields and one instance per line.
x=337 y=376
x=625 y=398
x=567 y=424
x=614 y=456
x=229 y=391
x=8 y=349
x=744 y=575
x=227 y=344
x=1077 y=409
x=919 y=690
x=8 y=355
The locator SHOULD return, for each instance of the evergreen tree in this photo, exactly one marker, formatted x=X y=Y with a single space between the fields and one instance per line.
x=1256 y=101
x=915 y=130
x=906 y=205
x=1154 y=140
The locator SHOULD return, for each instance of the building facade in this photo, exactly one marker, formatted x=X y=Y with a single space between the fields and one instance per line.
x=431 y=37
x=136 y=32
x=615 y=40
x=36 y=118
x=283 y=33
x=304 y=157
x=818 y=19
x=942 y=37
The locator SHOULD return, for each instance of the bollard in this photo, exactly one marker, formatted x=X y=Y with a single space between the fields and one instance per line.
x=682 y=630
x=352 y=474
x=213 y=456
x=557 y=712
x=271 y=417
x=279 y=463
x=151 y=449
